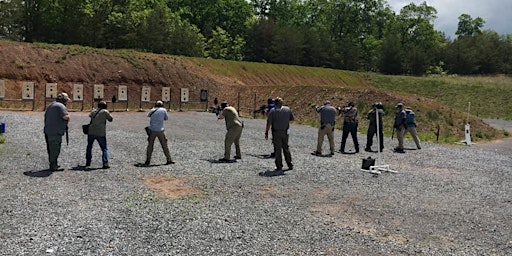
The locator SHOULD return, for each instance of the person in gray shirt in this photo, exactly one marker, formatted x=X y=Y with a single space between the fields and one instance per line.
x=327 y=124
x=56 y=118
x=279 y=120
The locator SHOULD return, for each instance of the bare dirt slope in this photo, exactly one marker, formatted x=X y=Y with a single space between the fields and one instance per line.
x=246 y=86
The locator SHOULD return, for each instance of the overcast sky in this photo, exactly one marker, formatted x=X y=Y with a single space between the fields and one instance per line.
x=497 y=14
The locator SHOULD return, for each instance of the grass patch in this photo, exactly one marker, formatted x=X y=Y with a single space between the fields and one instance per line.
x=489 y=95
x=131 y=58
x=2 y=138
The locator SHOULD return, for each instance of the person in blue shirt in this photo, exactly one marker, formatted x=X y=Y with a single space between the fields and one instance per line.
x=410 y=126
x=157 y=116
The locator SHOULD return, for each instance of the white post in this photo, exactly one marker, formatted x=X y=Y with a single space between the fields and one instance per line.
x=467 y=128
x=378 y=169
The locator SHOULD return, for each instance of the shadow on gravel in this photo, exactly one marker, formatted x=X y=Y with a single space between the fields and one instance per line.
x=272 y=173
x=84 y=168
x=216 y=161
x=348 y=152
x=266 y=156
x=321 y=155
x=41 y=173
x=146 y=165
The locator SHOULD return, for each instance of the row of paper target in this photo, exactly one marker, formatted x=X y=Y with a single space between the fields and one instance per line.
x=51 y=92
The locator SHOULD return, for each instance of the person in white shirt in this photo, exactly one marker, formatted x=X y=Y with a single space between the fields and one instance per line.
x=157 y=116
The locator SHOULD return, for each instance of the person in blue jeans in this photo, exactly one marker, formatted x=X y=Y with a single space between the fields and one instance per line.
x=98 y=132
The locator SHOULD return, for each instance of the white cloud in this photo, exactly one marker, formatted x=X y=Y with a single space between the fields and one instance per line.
x=495 y=13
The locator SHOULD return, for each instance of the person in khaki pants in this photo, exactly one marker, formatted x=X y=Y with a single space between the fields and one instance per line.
x=234 y=128
x=279 y=120
x=399 y=126
x=410 y=126
x=157 y=116
x=327 y=123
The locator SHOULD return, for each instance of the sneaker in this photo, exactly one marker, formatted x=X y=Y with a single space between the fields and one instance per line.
x=105 y=166
x=223 y=160
x=332 y=153
x=419 y=147
x=238 y=157
x=146 y=163
x=88 y=163
x=368 y=149
x=290 y=167
x=316 y=153
x=170 y=162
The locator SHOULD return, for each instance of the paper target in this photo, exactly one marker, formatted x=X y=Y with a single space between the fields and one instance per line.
x=28 y=91
x=145 y=94
x=78 y=92
x=51 y=90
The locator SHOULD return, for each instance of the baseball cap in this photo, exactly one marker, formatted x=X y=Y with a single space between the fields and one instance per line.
x=63 y=96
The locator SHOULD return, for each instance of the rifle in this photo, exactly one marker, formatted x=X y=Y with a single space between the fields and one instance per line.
x=67 y=135
x=393 y=133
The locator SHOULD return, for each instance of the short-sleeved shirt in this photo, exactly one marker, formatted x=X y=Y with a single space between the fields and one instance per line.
x=372 y=114
x=157 y=117
x=410 y=119
x=327 y=114
x=350 y=115
x=54 y=124
x=399 y=119
x=98 y=125
x=231 y=117
x=280 y=117
x=270 y=106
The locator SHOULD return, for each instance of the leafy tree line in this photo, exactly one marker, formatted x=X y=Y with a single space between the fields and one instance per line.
x=362 y=35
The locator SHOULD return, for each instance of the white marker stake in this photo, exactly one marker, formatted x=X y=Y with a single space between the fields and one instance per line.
x=467 y=128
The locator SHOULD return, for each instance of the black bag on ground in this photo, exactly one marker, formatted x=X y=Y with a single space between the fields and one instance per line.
x=367 y=163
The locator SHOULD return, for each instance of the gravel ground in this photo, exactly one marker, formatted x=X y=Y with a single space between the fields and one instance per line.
x=444 y=200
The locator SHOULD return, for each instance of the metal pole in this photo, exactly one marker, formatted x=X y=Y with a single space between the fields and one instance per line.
x=254 y=107
x=469 y=107
x=238 y=100
x=378 y=129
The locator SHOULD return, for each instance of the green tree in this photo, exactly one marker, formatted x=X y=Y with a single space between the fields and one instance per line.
x=468 y=26
x=230 y=15
x=223 y=46
x=478 y=54
x=287 y=46
x=419 y=42
x=11 y=19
